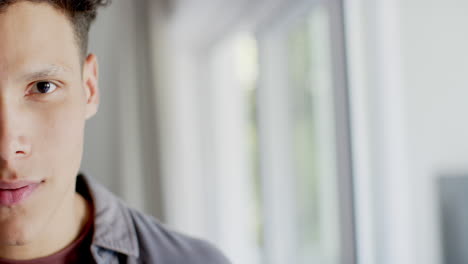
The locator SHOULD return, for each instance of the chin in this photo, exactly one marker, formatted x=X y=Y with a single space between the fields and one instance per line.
x=15 y=233
x=13 y=242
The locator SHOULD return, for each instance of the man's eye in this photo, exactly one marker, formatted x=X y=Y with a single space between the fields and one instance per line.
x=43 y=88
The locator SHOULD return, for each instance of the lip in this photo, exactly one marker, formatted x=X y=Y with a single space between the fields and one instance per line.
x=12 y=193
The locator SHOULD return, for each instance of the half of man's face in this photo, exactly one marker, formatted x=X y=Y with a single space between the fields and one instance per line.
x=42 y=114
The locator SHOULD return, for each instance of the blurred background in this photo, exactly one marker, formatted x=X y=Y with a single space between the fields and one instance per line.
x=289 y=131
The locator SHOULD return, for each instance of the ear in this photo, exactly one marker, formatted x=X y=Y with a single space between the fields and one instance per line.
x=90 y=81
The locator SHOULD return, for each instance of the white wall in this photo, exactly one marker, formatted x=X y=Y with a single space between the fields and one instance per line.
x=435 y=64
x=409 y=88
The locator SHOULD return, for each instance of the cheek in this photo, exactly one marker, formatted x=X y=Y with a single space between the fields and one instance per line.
x=58 y=134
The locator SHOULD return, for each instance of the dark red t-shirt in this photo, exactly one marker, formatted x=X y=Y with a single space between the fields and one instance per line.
x=77 y=253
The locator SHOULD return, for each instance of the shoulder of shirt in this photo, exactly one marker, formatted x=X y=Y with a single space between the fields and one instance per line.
x=141 y=237
x=158 y=242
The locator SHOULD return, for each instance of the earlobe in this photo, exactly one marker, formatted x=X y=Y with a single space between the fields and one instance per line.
x=90 y=79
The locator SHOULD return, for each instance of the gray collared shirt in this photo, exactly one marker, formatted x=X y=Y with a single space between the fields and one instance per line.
x=124 y=235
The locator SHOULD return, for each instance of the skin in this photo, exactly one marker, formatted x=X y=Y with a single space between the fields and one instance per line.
x=41 y=134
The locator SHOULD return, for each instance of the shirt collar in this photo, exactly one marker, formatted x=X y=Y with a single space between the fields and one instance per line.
x=113 y=225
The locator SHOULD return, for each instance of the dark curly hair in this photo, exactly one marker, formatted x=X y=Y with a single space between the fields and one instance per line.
x=80 y=12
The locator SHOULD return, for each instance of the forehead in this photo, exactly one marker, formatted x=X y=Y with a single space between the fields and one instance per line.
x=35 y=33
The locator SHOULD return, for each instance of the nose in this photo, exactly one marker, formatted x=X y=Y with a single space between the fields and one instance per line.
x=13 y=141
x=12 y=147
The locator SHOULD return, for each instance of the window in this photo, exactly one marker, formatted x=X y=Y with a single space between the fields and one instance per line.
x=304 y=169
x=273 y=138
x=273 y=120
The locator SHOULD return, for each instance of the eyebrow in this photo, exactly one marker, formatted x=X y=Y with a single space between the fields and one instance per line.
x=45 y=71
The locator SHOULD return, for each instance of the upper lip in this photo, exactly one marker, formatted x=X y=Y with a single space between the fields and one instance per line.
x=15 y=185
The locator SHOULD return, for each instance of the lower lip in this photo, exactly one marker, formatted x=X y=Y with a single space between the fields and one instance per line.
x=9 y=197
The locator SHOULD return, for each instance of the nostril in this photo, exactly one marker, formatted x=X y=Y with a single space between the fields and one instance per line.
x=19 y=152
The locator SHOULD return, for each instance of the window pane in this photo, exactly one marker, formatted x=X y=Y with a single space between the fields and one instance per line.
x=313 y=144
x=247 y=69
x=234 y=148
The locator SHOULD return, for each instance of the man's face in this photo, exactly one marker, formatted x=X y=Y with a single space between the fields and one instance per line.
x=46 y=95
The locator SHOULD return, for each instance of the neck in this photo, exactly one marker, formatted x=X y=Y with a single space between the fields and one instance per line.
x=60 y=232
